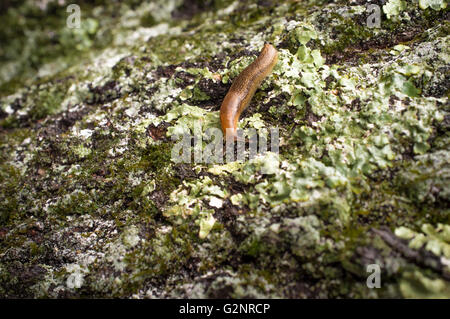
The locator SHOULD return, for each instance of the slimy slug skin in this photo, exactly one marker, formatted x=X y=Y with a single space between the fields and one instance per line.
x=243 y=89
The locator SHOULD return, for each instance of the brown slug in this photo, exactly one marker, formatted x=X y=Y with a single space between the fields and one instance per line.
x=244 y=87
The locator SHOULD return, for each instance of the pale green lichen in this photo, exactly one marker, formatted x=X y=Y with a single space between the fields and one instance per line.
x=433 y=4
x=435 y=240
x=417 y=285
x=93 y=203
x=394 y=7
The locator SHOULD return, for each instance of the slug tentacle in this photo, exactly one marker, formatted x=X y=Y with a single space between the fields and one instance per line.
x=243 y=89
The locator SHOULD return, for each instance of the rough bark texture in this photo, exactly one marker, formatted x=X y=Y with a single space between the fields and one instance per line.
x=92 y=204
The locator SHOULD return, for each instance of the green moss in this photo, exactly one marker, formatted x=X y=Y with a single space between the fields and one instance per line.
x=86 y=164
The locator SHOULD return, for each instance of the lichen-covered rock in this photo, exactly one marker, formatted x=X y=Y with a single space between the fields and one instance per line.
x=93 y=203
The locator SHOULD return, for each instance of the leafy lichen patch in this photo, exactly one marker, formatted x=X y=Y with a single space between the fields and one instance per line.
x=94 y=205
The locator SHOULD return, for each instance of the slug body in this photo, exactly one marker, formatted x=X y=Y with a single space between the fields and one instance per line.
x=243 y=89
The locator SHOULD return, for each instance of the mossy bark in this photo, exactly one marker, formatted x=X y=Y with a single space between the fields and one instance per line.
x=93 y=205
